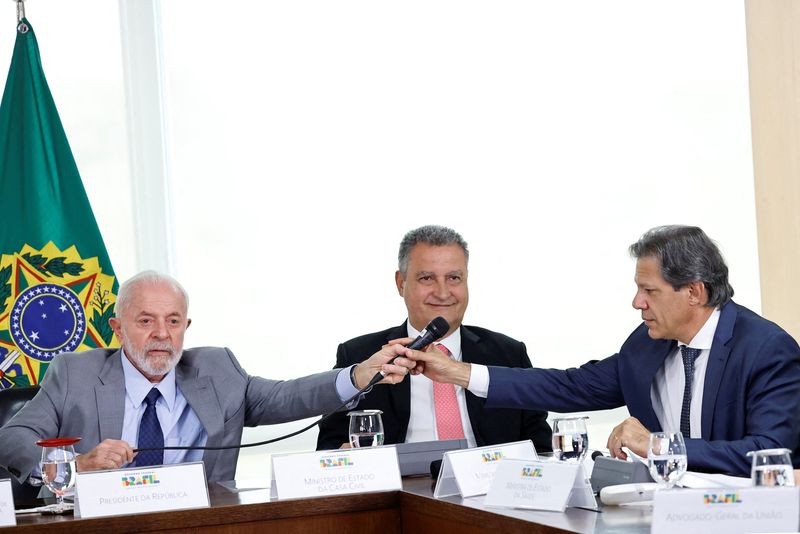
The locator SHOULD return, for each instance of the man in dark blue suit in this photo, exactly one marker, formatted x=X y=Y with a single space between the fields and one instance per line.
x=725 y=377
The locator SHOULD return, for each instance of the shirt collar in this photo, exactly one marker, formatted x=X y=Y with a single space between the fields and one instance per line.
x=137 y=386
x=452 y=342
x=705 y=337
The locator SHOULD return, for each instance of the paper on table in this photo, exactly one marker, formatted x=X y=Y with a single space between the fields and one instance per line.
x=705 y=480
x=694 y=480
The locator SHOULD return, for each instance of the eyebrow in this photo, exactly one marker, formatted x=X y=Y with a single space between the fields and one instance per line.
x=431 y=273
x=151 y=314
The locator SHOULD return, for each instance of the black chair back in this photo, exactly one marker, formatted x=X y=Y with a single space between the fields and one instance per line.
x=11 y=401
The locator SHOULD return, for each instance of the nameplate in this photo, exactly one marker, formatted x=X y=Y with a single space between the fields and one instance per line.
x=470 y=472
x=7 y=517
x=142 y=489
x=540 y=485
x=727 y=510
x=337 y=472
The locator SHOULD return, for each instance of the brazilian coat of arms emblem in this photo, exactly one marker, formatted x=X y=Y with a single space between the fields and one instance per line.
x=51 y=302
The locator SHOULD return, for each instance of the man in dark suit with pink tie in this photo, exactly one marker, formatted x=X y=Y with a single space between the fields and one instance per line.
x=432 y=279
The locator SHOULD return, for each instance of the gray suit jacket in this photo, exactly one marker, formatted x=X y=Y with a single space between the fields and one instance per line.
x=82 y=395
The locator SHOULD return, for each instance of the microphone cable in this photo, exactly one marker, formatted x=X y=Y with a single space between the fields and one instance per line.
x=362 y=391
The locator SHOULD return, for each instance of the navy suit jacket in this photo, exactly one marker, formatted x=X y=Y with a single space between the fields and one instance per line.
x=490 y=426
x=751 y=396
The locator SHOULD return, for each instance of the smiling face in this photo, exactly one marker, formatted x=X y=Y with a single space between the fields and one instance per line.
x=151 y=328
x=435 y=285
x=668 y=314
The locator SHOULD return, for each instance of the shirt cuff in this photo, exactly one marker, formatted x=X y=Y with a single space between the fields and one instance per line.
x=479 y=380
x=344 y=386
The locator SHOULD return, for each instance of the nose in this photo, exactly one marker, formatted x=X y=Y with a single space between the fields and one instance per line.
x=639 y=302
x=159 y=330
x=442 y=290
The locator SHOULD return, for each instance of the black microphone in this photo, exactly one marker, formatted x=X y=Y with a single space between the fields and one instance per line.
x=597 y=454
x=436 y=329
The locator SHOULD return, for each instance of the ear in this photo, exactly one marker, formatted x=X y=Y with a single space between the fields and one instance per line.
x=188 y=323
x=116 y=326
x=698 y=296
x=400 y=282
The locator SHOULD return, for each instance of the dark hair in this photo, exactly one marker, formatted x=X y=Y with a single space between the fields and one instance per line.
x=431 y=234
x=686 y=254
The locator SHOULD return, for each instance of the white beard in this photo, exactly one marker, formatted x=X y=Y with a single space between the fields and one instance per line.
x=156 y=366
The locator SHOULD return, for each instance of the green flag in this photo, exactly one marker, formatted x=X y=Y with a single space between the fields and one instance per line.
x=57 y=286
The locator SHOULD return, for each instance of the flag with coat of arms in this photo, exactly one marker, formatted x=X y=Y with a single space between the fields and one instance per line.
x=57 y=286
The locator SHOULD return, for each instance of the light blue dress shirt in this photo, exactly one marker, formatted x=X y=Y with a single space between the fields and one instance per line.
x=179 y=423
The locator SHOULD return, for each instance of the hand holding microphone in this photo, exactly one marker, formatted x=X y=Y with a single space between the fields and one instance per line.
x=435 y=330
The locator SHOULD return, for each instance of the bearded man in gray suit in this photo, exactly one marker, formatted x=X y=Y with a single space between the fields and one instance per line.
x=203 y=399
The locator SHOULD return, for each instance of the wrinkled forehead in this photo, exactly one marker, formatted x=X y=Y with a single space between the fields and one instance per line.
x=159 y=298
x=648 y=269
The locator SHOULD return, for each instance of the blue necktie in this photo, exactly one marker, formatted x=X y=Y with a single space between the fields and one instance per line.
x=689 y=356
x=150 y=434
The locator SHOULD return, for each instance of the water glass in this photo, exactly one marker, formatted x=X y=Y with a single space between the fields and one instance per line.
x=666 y=457
x=570 y=439
x=58 y=468
x=366 y=428
x=772 y=467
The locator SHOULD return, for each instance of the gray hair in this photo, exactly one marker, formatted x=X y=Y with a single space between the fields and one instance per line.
x=686 y=254
x=146 y=277
x=431 y=234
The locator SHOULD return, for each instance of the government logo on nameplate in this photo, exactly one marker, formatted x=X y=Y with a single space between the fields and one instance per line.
x=7 y=517
x=540 y=486
x=142 y=489
x=470 y=472
x=728 y=510
x=336 y=472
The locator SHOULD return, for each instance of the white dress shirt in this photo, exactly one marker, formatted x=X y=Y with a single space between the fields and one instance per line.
x=666 y=392
x=422 y=420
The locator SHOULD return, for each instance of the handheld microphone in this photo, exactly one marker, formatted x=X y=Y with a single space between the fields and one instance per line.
x=436 y=329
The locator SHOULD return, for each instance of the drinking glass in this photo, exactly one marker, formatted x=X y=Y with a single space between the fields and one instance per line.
x=366 y=428
x=772 y=467
x=666 y=457
x=58 y=468
x=570 y=439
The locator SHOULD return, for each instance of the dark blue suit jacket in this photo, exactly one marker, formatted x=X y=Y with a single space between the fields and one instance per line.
x=751 y=396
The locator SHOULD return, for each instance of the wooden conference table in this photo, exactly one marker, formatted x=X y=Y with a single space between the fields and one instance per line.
x=411 y=510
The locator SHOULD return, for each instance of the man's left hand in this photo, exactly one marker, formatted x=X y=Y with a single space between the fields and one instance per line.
x=394 y=372
x=631 y=434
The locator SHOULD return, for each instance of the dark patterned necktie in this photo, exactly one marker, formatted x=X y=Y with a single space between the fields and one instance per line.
x=150 y=434
x=689 y=356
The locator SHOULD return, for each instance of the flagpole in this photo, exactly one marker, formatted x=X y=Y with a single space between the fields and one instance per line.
x=21 y=26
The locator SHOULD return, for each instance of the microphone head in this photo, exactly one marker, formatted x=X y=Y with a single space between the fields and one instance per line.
x=438 y=327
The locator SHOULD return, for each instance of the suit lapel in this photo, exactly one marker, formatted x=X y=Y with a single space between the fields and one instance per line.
x=717 y=359
x=110 y=398
x=471 y=352
x=400 y=394
x=200 y=395
x=639 y=401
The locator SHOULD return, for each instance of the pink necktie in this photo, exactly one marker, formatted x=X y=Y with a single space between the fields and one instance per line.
x=448 y=418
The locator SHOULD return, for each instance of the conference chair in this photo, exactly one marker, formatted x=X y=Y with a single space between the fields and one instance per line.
x=11 y=401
